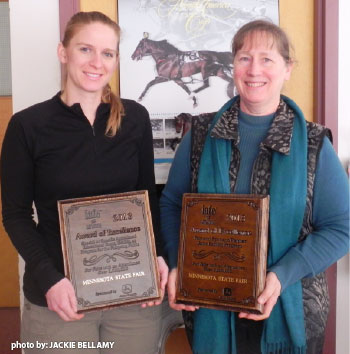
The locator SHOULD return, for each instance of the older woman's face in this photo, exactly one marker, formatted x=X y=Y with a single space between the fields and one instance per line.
x=259 y=74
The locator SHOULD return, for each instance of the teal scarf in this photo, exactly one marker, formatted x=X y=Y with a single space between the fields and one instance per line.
x=284 y=329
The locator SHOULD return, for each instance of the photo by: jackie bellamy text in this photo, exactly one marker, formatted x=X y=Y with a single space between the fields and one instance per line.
x=61 y=345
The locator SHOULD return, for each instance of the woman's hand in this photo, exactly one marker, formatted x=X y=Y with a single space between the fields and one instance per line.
x=163 y=274
x=171 y=294
x=62 y=300
x=268 y=298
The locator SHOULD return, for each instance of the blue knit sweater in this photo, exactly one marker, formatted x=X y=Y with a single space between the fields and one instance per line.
x=326 y=244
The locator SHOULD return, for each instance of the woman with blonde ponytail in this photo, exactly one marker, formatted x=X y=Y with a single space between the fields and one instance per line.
x=85 y=141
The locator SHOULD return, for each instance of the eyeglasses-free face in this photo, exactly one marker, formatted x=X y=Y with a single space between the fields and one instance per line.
x=91 y=58
x=259 y=74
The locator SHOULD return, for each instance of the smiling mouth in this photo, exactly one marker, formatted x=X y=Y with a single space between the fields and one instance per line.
x=93 y=76
x=255 y=84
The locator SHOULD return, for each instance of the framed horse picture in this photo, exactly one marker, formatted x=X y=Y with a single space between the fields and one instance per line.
x=175 y=59
x=175 y=65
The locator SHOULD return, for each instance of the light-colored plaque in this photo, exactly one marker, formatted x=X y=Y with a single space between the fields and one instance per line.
x=109 y=250
x=223 y=251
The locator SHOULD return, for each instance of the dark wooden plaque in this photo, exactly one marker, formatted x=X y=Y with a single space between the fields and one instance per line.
x=108 y=250
x=223 y=251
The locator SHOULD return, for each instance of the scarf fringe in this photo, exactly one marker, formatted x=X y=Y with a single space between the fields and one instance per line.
x=283 y=348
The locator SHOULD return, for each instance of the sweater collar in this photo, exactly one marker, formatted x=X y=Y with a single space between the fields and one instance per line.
x=278 y=137
x=75 y=108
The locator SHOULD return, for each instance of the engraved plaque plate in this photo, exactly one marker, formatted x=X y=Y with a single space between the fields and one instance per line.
x=223 y=251
x=108 y=249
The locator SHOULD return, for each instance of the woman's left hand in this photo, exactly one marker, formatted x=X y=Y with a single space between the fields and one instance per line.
x=268 y=298
x=163 y=274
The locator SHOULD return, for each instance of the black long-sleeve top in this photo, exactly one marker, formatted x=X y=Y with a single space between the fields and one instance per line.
x=51 y=152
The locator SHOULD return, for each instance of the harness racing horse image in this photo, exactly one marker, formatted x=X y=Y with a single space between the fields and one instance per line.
x=173 y=64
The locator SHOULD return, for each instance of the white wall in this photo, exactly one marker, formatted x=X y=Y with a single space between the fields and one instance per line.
x=34 y=32
x=343 y=293
x=34 y=37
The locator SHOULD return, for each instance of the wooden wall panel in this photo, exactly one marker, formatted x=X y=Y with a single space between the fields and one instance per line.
x=67 y=8
x=9 y=278
x=297 y=19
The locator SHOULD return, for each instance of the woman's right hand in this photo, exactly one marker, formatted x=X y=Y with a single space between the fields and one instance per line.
x=61 y=299
x=171 y=294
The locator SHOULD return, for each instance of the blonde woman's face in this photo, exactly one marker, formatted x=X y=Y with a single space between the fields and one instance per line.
x=91 y=58
x=259 y=74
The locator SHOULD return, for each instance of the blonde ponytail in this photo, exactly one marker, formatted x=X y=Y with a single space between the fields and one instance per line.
x=116 y=113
